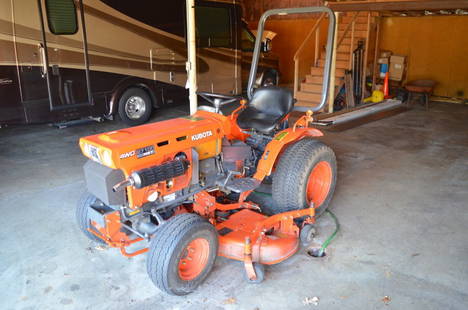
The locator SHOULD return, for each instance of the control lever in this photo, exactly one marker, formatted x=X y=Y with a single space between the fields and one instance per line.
x=230 y=174
x=119 y=186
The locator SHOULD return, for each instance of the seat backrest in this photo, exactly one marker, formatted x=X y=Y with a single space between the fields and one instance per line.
x=272 y=100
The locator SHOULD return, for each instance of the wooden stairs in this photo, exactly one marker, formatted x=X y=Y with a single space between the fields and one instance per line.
x=310 y=89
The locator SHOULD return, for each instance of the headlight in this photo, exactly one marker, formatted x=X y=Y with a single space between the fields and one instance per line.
x=107 y=158
x=100 y=155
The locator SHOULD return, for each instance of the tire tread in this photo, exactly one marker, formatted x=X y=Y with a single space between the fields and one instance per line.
x=81 y=215
x=164 y=243
x=290 y=175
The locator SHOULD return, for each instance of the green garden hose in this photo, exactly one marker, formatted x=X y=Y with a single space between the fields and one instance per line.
x=332 y=236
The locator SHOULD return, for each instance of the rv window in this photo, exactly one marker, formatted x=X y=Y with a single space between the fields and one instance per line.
x=165 y=15
x=213 y=27
x=61 y=16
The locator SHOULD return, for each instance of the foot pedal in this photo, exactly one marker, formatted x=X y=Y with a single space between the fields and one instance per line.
x=240 y=185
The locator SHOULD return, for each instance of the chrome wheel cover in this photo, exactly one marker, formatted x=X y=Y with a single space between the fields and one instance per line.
x=135 y=107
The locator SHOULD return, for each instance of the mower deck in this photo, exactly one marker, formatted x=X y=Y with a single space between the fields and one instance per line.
x=270 y=244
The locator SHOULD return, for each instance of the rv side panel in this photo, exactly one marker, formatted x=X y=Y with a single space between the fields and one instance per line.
x=11 y=110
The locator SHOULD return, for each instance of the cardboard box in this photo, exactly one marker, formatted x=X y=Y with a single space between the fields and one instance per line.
x=385 y=54
x=397 y=67
x=383 y=61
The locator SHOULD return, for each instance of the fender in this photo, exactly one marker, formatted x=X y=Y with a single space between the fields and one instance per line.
x=279 y=142
x=126 y=83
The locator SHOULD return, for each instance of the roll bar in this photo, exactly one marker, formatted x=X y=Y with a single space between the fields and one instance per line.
x=328 y=56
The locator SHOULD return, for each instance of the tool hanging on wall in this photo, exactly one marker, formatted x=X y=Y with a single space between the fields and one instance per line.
x=358 y=73
x=349 y=86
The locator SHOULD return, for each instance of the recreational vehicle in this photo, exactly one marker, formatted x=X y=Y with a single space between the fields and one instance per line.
x=63 y=60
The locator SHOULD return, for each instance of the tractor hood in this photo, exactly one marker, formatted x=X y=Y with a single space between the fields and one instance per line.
x=152 y=143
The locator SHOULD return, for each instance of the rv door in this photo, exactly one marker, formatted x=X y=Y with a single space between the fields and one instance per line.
x=216 y=35
x=52 y=60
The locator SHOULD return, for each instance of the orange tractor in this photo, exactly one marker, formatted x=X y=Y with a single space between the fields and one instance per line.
x=183 y=185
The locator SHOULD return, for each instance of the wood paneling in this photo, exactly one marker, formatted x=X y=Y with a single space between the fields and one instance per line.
x=290 y=35
x=397 y=5
x=436 y=48
x=253 y=9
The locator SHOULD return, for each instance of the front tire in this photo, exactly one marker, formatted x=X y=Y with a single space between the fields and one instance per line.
x=135 y=106
x=306 y=173
x=82 y=218
x=182 y=254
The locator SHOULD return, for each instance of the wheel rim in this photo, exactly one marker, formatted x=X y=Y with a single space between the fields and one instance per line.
x=194 y=259
x=319 y=183
x=135 y=107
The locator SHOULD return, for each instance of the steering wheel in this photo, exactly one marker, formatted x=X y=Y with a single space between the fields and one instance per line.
x=218 y=99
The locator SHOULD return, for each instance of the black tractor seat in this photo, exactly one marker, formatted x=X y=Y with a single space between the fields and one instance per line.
x=268 y=106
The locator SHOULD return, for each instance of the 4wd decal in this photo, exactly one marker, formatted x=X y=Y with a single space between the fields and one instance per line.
x=127 y=155
x=145 y=151
x=202 y=135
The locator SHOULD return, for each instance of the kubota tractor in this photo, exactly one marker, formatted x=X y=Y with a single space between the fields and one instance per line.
x=183 y=185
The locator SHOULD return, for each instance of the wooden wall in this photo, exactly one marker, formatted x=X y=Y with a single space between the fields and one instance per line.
x=436 y=48
x=290 y=35
x=253 y=9
x=291 y=31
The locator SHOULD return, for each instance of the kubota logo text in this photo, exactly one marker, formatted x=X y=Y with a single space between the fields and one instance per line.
x=202 y=135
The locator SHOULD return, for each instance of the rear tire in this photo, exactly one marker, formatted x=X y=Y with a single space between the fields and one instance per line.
x=305 y=172
x=135 y=106
x=182 y=254
x=82 y=218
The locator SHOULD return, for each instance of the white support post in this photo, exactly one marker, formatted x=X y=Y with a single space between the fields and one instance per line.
x=191 y=65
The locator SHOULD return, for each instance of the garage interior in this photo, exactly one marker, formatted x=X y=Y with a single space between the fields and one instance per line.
x=401 y=195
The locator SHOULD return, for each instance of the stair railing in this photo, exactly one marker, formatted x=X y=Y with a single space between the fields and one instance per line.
x=349 y=27
x=314 y=32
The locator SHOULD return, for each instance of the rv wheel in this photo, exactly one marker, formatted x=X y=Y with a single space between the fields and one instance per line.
x=135 y=106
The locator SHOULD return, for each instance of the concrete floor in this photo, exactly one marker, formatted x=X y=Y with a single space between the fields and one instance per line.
x=402 y=200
